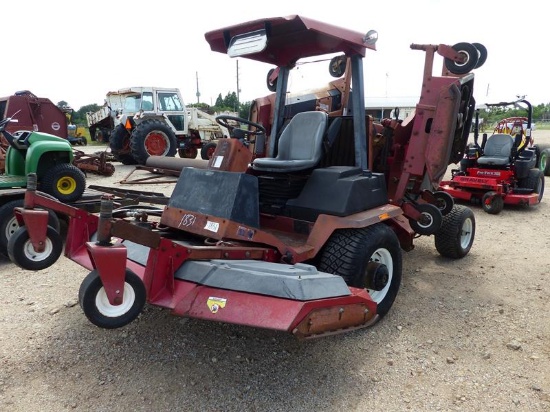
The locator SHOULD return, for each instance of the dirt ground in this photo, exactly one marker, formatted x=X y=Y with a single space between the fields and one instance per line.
x=463 y=335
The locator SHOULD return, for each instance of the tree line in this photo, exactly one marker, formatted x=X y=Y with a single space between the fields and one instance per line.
x=230 y=103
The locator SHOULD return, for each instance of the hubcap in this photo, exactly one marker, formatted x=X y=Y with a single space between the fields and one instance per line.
x=466 y=233
x=66 y=185
x=11 y=227
x=112 y=311
x=157 y=144
x=35 y=256
x=383 y=257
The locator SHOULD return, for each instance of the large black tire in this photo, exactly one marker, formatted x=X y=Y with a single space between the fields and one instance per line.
x=208 y=150
x=152 y=138
x=119 y=142
x=456 y=236
x=22 y=253
x=535 y=182
x=93 y=301
x=348 y=252
x=65 y=182
x=492 y=203
x=9 y=225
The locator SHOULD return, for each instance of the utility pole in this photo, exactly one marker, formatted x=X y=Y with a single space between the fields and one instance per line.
x=238 y=89
x=198 y=93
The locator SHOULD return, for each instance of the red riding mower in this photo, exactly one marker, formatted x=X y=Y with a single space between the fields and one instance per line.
x=503 y=169
x=307 y=239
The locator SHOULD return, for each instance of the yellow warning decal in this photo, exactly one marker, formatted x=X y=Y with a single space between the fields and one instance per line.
x=215 y=304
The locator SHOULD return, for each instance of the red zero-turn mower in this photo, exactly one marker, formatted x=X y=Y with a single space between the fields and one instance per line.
x=307 y=239
x=502 y=170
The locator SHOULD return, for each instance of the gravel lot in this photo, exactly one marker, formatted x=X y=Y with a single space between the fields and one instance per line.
x=465 y=335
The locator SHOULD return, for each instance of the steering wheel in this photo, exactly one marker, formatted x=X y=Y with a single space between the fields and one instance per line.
x=237 y=132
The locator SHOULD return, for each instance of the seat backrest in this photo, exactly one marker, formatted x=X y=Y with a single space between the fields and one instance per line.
x=499 y=145
x=302 y=138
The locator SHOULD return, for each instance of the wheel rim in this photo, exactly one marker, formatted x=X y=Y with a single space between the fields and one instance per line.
x=35 y=256
x=66 y=185
x=383 y=256
x=466 y=233
x=112 y=311
x=11 y=227
x=430 y=220
x=157 y=143
x=543 y=160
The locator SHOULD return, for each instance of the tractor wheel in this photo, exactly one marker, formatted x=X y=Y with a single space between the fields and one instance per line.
x=492 y=203
x=456 y=236
x=535 y=182
x=188 y=152
x=119 y=142
x=9 y=225
x=22 y=253
x=352 y=254
x=470 y=55
x=444 y=202
x=208 y=150
x=431 y=219
x=152 y=138
x=95 y=304
x=544 y=161
x=65 y=182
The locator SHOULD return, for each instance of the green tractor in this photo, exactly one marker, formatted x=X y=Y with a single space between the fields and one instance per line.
x=49 y=156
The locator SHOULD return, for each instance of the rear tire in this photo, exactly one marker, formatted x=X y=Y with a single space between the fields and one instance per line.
x=535 y=182
x=65 y=182
x=152 y=138
x=348 y=252
x=93 y=301
x=456 y=236
x=544 y=162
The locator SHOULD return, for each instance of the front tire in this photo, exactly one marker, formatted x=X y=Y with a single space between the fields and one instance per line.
x=208 y=150
x=22 y=253
x=456 y=236
x=492 y=203
x=65 y=182
x=9 y=225
x=349 y=251
x=95 y=304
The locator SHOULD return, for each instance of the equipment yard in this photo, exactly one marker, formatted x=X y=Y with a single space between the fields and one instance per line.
x=463 y=335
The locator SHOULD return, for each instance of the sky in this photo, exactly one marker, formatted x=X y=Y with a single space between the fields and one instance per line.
x=77 y=51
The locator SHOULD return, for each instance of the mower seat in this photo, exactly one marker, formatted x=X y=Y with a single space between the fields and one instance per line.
x=497 y=150
x=300 y=145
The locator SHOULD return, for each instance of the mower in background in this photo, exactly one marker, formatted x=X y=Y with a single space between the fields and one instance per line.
x=502 y=170
x=298 y=230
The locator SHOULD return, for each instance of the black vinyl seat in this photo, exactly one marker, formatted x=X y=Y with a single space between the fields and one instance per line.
x=497 y=150
x=300 y=146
